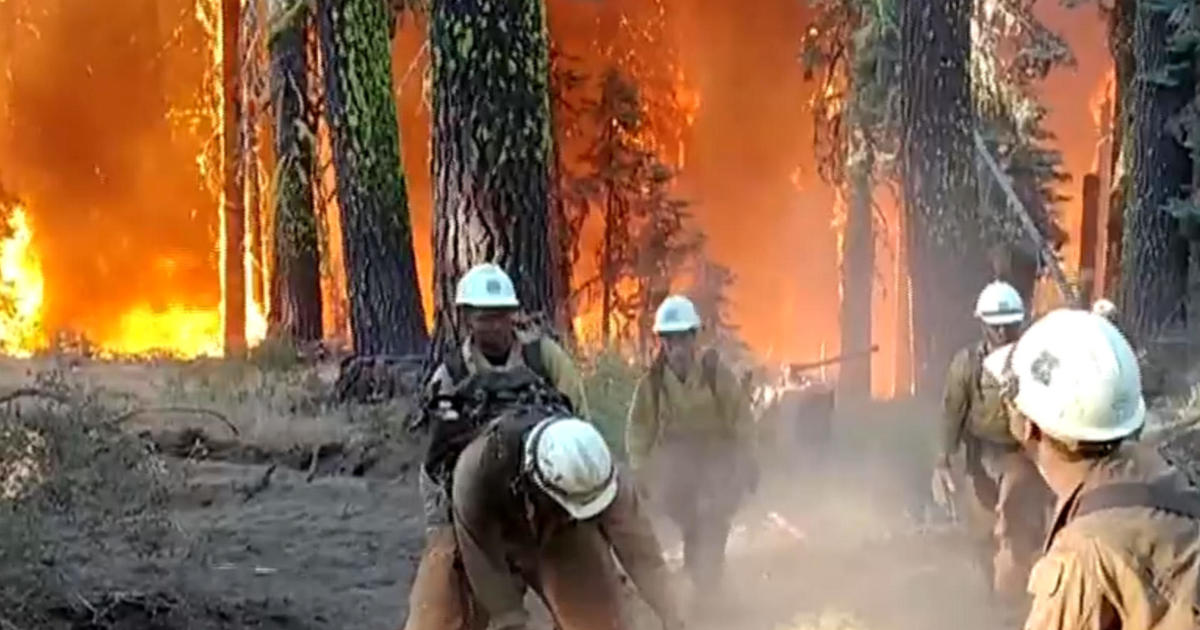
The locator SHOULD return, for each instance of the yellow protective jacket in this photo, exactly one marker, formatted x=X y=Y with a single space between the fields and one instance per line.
x=972 y=406
x=1127 y=566
x=688 y=409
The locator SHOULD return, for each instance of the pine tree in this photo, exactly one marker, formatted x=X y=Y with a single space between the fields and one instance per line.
x=492 y=151
x=1156 y=252
x=296 y=281
x=646 y=237
x=386 y=314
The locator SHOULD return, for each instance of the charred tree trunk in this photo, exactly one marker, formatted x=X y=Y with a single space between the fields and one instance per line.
x=944 y=242
x=234 y=211
x=251 y=75
x=386 y=314
x=608 y=264
x=296 y=278
x=1120 y=44
x=858 y=269
x=1089 y=236
x=1155 y=266
x=491 y=150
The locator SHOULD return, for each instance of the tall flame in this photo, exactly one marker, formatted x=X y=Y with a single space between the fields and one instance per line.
x=21 y=288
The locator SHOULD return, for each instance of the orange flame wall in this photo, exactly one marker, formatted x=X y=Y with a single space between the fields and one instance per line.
x=749 y=163
x=100 y=129
x=1071 y=119
x=99 y=136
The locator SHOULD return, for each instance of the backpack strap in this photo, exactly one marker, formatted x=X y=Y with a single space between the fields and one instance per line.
x=1155 y=495
x=655 y=381
x=1159 y=495
x=456 y=366
x=531 y=354
x=708 y=373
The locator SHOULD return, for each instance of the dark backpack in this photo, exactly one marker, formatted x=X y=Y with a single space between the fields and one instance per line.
x=531 y=354
x=708 y=374
x=478 y=398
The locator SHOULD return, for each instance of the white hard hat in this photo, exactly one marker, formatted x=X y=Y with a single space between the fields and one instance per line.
x=569 y=460
x=1078 y=378
x=486 y=286
x=999 y=304
x=1104 y=308
x=676 y=314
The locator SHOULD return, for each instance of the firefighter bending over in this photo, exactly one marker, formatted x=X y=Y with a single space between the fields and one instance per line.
x=690 y=439
x=538 y=502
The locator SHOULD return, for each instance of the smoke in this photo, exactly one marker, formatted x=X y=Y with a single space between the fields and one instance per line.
x=97 y=139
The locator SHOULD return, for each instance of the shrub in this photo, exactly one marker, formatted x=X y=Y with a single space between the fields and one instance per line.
x=609 y=381
x=72 y=482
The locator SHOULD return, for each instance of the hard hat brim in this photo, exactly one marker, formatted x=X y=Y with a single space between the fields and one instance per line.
x=582 y=511
x=1094 y=435
x=500 y=303
x=1002 y=319
x=673 y=328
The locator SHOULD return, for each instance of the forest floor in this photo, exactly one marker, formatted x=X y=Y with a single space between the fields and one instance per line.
x=309 y=517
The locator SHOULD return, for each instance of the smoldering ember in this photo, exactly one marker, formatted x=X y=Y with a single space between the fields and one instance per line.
x=778 y=315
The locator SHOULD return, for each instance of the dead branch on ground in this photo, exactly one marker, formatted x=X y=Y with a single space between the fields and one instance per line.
x=174 y=409
x=33 y=392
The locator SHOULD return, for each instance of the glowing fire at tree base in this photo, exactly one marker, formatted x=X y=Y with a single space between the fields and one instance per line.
x=176 y=330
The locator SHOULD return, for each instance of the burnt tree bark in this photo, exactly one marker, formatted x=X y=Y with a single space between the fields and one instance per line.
x=296 y=278
x=1120 y=45
x=1089 y=236
x=943 y=238
x=858 y=267
x=491 y=151
x=386 y=314
x=234 y=209
x=1155 y=267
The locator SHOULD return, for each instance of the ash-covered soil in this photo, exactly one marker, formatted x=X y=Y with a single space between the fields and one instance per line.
x=309 y=518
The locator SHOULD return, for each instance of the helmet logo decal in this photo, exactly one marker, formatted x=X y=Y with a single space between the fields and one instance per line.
x=492 y=286
x=671 y=315
x=1043 y=368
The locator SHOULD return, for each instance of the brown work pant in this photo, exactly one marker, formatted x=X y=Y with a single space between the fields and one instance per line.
x=440 y=598
x=699 y=485
x=1009 y=511
x=574 y=575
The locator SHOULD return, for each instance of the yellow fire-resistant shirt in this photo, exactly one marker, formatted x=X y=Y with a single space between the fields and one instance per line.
x=1134 y=568
x=687 y=409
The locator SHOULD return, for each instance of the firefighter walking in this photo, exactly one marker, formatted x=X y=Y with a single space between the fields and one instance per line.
x=1124 y=548
x=690 y=440
x=1006 y=499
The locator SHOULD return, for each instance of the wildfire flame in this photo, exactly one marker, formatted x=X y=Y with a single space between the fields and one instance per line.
x=21 y=288
x=177 y=329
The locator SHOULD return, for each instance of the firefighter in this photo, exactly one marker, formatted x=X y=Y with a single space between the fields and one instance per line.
x=538 y=502
x=1124 y=548
x=1106 y=309
x=690 y=440
x=437 y=599
x=1006 y=499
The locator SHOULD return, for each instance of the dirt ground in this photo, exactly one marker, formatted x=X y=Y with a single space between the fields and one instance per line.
x=309 y=518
